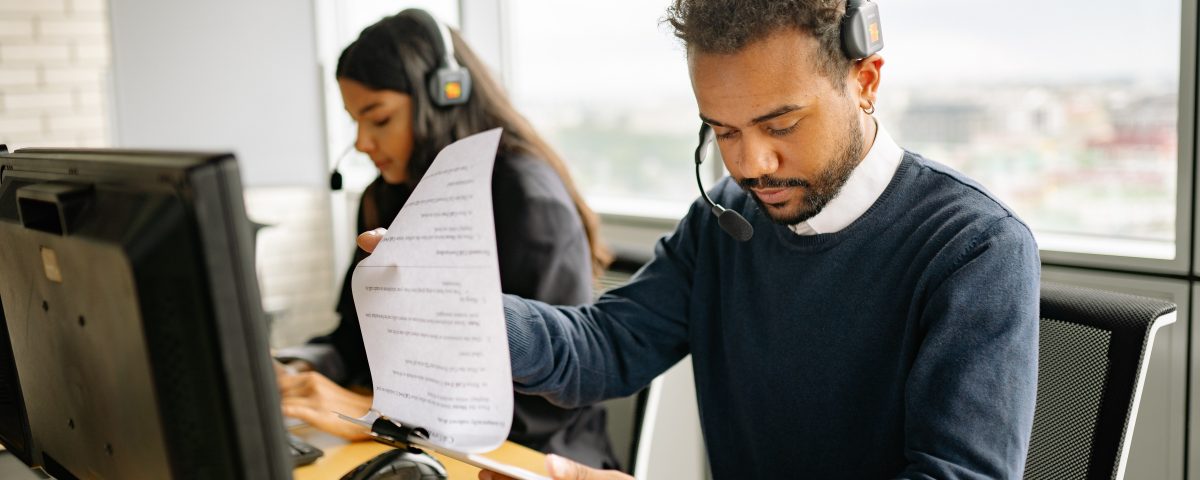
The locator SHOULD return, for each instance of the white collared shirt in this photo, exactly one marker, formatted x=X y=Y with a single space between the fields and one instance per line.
x=866 y=183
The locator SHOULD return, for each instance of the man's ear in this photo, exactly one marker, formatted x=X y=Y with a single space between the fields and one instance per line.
x=866 y=74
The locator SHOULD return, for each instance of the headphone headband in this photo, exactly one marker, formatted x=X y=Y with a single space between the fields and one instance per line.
x=449 y=84
x=448 y=60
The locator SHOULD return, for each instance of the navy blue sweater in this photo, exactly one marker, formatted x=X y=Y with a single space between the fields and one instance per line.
x=904 y=345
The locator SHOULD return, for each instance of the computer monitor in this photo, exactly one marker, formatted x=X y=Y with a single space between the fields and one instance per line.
x=133 y=341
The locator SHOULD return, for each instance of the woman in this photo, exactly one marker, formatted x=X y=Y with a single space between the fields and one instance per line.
x=547 y=239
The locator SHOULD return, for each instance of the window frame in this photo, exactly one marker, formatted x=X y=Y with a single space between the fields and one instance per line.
x=1186 y=241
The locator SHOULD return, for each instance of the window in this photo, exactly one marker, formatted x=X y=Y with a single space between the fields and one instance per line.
x=608 y=86
x=1068 y=112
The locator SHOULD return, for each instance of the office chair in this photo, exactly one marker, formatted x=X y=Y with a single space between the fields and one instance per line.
x=1094 y=350
x=624 y=414
x=656 y=432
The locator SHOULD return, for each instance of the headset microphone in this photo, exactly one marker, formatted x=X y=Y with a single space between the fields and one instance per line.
x=730 y=221
x=335 y=178
x=449 y=83
x=862 y=37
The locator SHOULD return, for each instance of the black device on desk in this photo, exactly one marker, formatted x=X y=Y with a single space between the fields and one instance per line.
x=406 y=462
x=399 y=464
x=302 y=452
x=132 y=340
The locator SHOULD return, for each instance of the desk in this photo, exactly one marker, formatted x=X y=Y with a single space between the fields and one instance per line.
x=341 y=457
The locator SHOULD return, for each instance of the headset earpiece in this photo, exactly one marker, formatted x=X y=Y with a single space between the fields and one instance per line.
x=862 y=35
x=450 y=86
x=449 y=83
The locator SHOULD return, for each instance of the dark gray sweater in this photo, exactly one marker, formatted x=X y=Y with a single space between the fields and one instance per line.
x=904 y=345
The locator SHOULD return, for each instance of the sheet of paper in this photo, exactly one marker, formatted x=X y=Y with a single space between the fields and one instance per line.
x=430 y=309
x=484 y=463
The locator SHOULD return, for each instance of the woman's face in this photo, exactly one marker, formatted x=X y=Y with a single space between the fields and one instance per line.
x=384 y=119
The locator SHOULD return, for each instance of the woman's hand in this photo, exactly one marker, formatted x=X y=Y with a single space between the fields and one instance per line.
x=369 y=240
x=562 y=469
x=315 y=399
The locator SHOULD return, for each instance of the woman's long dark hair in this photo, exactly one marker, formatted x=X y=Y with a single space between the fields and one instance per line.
x=398 y=53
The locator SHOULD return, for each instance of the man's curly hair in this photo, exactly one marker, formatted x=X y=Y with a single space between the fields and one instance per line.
x=727 y=26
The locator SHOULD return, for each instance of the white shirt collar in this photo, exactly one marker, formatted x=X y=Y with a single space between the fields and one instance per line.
x=866 y=183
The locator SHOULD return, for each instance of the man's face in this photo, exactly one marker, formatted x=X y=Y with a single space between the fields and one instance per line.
x=789 y=135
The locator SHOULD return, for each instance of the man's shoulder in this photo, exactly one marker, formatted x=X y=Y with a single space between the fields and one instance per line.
x=949 y=201
x=942 y=186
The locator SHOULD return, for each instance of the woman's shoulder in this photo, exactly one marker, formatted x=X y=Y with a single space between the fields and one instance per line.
x=529 y=176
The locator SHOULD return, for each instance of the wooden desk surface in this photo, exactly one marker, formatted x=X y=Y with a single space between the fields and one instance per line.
x=341 y=457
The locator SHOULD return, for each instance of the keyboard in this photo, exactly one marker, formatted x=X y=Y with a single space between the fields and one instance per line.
x=302 y=453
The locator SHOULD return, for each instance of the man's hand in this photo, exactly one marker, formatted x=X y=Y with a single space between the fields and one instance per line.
x=563 y=469
x=369 y=240
x=313 y=398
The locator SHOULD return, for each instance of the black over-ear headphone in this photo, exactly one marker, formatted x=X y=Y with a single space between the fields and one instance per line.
x=861 y=37
x=449 y=84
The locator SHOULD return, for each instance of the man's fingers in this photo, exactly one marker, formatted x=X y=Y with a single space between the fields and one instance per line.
x=369 y=240
x=490 y=475
x=563 y=469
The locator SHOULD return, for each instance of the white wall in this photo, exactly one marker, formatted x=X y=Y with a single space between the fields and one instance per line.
x=222 y=74
x=53 y=68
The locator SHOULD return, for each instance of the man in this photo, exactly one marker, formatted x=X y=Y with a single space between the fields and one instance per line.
x=882 y=321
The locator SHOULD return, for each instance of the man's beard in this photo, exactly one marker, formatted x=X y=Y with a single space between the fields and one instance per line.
x=819 y=192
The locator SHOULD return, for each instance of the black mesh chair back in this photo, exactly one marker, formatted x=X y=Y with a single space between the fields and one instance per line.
x=1093 y=351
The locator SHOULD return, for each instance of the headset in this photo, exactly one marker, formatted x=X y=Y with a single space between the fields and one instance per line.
x=861 y=37
x=861 y=34
x=449 y=83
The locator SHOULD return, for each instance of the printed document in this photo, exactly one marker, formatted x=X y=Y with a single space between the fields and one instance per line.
x=429 y=305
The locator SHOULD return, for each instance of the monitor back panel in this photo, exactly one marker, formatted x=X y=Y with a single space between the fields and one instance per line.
x=79 y=351
x=136 y=330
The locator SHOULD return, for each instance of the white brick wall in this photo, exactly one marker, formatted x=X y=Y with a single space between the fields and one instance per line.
x=10 y=29
x=74 y=28
x=54 y=63
x=18 y=76
x=89 y=6
x=80 y=76
x=295 y=271
x=32 y=6
x=27 y=54
x=49 y=103
x=22 y=124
